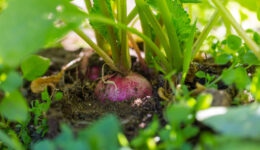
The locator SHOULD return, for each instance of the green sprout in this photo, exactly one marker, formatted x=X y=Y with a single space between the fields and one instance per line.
x=106 y=33
x=172 y=28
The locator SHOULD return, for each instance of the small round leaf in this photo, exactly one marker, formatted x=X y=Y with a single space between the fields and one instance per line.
x=234 y=42
x=34 y=66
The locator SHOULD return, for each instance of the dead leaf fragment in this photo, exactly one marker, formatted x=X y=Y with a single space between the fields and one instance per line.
x=38 y=85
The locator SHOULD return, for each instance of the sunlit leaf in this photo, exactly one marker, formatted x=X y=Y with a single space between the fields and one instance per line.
x=243 y=16
x=2 y=5
x=234 y=42
x=249 y=4
x=204 y=101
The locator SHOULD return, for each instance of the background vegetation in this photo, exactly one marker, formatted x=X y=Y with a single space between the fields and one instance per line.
x=174 y=32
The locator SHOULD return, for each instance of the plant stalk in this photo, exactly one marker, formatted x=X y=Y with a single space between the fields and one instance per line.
x=175 y=54
x=147 y=31
x=138 y=52
x=205 y=33
x=98 y=50
x=155 y=25
x=88 y=5
x=124 y=56
x=149 y=42
x=132 y=15
x=113 y=39
x=100 y=40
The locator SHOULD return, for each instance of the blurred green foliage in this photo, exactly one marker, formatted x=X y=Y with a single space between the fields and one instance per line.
x=243 y=126
x=14 y=107
x=31 y=25
x=34 y=66
x=11 y=81
x=252 y=5
x=234 y=42
x=101 y=135
x=238 y=76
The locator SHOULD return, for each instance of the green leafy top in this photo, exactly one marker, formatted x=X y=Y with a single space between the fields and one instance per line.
x=173 y=30
x=117 y=39
x=181 y=21
x=100 y=27
x=180 y=17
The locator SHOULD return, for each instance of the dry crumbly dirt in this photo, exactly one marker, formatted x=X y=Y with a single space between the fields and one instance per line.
x=79 y=107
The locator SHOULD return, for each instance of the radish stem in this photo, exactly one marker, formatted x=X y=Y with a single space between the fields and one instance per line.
x=124 y=56
x=137 y=50
x=205 y=33
x=100 y=40
x=98 y=50
x=132 y=15
x=112 y=34
x=155 y=25
x=175 y=53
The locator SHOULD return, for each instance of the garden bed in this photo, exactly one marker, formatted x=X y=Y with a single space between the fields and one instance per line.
x=79 y=107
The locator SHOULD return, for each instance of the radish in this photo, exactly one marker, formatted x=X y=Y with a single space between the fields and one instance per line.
x=93 y=73
x=119 y=88
x=112 y=46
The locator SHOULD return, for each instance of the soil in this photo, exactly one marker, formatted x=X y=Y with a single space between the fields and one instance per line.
x=79 y=107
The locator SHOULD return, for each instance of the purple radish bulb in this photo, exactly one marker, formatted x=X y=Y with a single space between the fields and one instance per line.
x=127 y=87
x=93 y=73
